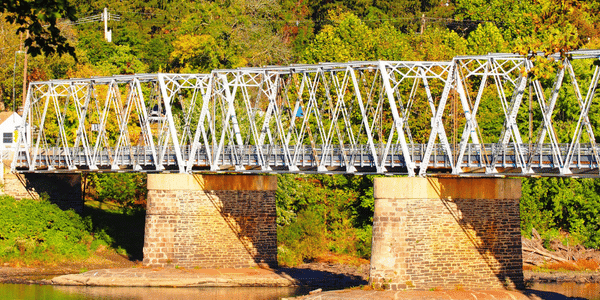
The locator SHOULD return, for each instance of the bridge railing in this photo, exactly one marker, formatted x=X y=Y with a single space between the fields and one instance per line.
x=348 y=159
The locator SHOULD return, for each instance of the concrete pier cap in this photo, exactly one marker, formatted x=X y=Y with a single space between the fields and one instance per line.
x=446 y=188
x=446 y=233
x=211 y=182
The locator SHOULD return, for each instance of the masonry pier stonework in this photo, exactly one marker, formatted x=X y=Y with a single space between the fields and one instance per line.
x=210 y=221
x=63 y=190
x=448 y=233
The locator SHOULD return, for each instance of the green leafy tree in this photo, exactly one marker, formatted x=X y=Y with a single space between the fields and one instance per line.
x=319 y=213
x=437 y=44
x=549 y=26
x=126 y=189
x=572 y=205
x=230 y=34
x=39 y=19
x=348 y=38
x=36 y=230
x=487 y=38
x=513 y=17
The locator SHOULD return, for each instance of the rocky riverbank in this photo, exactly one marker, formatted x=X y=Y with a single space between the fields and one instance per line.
x=314 y=275
x=328 y=276
x=562 y=276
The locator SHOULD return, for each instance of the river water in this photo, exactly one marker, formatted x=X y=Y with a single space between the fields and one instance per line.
x=47 y=292
x=589 y=291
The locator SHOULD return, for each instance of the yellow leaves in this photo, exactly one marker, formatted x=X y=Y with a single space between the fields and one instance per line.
x=84 y=71
x=189 y=46
x=561 y=25
x=349 y=39
x=523 y=71
x=592 y=43
x=203 y=53
x=544 y=67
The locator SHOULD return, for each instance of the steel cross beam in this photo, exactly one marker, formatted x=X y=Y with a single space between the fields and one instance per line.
x=488 y=115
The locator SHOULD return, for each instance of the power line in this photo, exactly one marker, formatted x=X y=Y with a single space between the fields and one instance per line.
x=115 y=17
x=103 y=17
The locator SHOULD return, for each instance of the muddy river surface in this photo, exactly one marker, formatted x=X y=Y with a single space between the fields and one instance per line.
x=47 y=292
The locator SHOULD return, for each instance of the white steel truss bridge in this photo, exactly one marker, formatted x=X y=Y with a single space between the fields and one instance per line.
x=490 y=115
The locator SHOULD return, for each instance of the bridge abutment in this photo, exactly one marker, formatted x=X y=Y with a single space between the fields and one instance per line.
x=63 y=190
x=448 y=233
x=210 y=221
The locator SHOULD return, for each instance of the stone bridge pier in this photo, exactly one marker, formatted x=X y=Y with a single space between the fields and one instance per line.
x=63 y=190
x=448 y=233
x=210 y=221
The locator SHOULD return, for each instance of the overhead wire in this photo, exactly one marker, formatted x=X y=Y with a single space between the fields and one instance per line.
x=98 y=17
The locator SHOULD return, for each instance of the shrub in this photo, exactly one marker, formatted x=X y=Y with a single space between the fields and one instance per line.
x=39 y=230
x=303 y=239
x=126 y=189
x=562 y=204
x=317 y=214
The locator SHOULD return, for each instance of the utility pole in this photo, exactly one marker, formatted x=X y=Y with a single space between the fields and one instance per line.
x=102 y=17
x=422 y=23
x=107 y=33
x=14 y=100
x=13 y=83
x=24 y=78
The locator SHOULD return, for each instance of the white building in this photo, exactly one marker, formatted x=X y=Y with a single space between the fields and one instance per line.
x=9 y=121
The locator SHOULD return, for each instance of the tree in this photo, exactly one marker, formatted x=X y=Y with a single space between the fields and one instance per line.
x=487 y=38
x=346 y=40
x=123 y=188
x=553 y=204
x=230 y=34
x=38 y=18
x=513 y=17
x=10 y=44
x=548 y=26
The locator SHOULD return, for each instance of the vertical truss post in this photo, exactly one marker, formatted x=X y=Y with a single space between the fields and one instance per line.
x=24 y=133
x=398 y=123
x=437 y=127
x=172 y=131
x=200 y=129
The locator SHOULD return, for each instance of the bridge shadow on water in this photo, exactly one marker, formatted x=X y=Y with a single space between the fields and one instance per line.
x=544 y=295
x=326 y=279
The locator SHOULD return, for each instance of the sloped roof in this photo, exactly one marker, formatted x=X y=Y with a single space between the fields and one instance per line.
x=5 y=115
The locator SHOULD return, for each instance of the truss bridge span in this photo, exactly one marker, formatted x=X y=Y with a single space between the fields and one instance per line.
x=496 y=114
